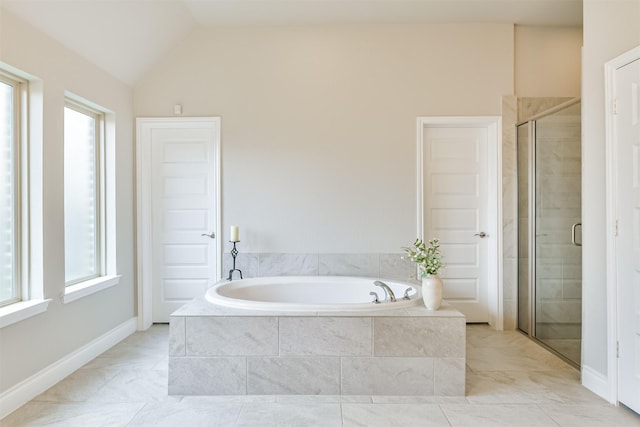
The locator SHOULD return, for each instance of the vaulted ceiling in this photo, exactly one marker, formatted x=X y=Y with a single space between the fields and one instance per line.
x=126 y=37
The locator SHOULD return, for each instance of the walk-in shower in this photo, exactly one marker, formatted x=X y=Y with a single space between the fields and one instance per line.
x=549 y=229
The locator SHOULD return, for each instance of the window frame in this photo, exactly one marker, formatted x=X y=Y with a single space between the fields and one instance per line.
x=29 y=178
x=99 y=190
x=20 y=87
x=106 y=200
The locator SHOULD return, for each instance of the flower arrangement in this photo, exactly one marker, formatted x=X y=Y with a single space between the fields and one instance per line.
x=428 y=258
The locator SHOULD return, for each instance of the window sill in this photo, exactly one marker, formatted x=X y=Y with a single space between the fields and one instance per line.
x=22 y=310
x=80 y=290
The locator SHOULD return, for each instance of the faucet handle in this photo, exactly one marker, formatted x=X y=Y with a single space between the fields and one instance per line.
x=375 y=297
x=406 y=293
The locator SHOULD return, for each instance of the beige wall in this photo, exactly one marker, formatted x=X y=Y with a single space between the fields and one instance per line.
x=31 y=345
x=610 y=28
x=547 y=61
x=319 y=122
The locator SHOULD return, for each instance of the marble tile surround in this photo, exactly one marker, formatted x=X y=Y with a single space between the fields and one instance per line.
x=391 y=266
x=222 y=351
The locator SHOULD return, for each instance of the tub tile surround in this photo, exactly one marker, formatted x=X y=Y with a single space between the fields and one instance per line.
x=412 y=351
x=325 y=336
x=390 y=266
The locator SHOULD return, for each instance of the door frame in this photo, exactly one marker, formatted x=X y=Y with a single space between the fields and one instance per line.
x=144 y=216
x=611 y=188
x=493 y=124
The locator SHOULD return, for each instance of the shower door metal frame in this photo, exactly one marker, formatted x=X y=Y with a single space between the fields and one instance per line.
x=531 y=190
x=531 y=232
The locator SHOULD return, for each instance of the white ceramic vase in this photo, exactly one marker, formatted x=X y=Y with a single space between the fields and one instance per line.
x=432 y=292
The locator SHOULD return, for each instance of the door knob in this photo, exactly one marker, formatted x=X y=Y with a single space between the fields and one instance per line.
x=482 y=234
x=211 y=236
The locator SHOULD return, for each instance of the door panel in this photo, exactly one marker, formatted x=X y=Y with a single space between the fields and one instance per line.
x=455 y=198
x=627 y=127
x=182 y=206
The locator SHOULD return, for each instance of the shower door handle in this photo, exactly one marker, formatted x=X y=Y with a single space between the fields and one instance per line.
x=482 y=234
x=573 y=233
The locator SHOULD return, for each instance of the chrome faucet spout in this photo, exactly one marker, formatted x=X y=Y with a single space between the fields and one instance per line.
x=388 y=293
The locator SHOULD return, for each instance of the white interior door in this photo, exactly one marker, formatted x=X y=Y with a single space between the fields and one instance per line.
x=182 y=210
x=456 y=208
x=627 y=130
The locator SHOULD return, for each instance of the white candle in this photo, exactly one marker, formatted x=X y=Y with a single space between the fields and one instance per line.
x=234 y=233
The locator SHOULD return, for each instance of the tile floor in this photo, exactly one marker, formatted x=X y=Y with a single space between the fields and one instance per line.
x=511 y=381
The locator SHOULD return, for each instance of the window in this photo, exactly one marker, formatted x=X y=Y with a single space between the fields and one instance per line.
x=10 y=118
x=89 y=199
x=21 y=263
x=83 y=218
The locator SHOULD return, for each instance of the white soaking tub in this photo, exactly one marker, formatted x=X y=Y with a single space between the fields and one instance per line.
x=311 y=294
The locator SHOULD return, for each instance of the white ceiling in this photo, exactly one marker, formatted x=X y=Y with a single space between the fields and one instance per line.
x=126 y=37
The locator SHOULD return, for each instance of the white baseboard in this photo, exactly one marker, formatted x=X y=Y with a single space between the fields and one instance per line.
x=26 y=390
x=597 y=383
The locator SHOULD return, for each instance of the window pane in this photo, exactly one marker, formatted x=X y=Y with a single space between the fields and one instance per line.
x=80 y=196
x=8 y=291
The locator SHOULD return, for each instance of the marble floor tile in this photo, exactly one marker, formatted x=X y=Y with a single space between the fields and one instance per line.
x=566 y=387
x=187 y=413
x=155 y=337
x=78 y=387
x=591 y=415
x=508 y=387
x=239 y=398
x=419 y=399
x=392 y=415
x=124 y=356
x=289 y=414
x=134 y=386
x=130 y=361
x=404 y=399
x=481 y=336
x=528 y=357
x=306 y=398
x=72 y=414
x=496 y=416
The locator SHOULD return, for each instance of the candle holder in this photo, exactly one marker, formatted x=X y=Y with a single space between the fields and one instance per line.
x=234 y=254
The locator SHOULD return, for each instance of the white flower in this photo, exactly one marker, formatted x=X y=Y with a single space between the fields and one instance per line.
x=429 y=259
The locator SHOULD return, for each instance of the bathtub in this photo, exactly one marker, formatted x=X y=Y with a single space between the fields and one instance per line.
x=310 y=294
x=323 y=337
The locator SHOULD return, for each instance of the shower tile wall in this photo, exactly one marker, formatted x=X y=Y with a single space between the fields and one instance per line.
x=509 y=211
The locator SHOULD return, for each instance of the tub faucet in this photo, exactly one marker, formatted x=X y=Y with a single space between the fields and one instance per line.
x=388 y=293
x=375 y=298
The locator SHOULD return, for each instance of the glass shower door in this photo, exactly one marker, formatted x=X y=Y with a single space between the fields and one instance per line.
x=557 y=229
x=549 y=211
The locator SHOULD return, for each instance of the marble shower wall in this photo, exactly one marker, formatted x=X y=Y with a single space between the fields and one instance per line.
x=509 y=212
